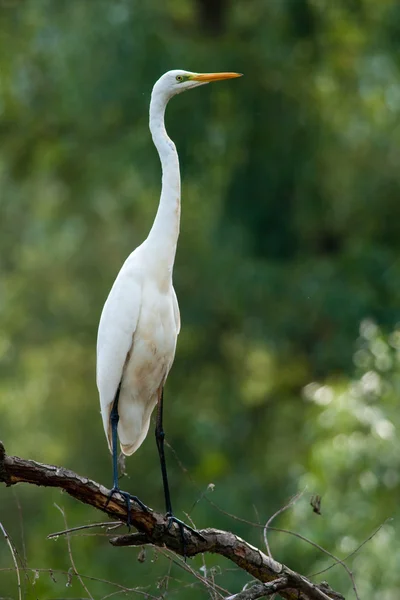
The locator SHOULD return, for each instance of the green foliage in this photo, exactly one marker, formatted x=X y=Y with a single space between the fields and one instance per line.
x=289 y=240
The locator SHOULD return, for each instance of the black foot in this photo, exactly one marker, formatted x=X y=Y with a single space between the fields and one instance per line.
x=128 y=500
x=182 y=526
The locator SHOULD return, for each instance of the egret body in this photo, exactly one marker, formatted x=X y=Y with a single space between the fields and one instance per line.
x=140 y=320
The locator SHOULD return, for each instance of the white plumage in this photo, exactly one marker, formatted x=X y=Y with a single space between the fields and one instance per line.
x=138 y=329
x=140 y=321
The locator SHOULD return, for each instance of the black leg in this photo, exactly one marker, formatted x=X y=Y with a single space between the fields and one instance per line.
x=160 y=435
x=114 y=418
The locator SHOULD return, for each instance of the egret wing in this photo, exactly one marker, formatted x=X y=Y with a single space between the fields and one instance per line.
x=115 y=338
x=176 y=311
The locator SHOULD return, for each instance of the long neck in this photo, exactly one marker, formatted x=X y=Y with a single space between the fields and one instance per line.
x=164 y=234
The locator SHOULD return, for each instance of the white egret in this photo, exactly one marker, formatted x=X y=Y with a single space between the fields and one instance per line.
x=140 y=321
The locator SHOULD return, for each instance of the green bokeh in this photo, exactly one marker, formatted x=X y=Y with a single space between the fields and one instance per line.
x=287 y=258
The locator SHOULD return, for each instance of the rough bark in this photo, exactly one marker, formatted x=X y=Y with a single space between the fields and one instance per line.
x=152 y=528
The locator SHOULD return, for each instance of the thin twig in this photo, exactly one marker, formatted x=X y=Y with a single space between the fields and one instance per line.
x=21 y=524
x=22 y=559
x=181 y=563
x=203 y=558
x=258 y=521
x=75 y=571
x=261 y=535
x=121 y=587
x=163 y=582
x=338 y=560
x=124 y=591
x=298 y=535
x=11 y=546
x=110 y=524
x=292 y=501
x=354 y=551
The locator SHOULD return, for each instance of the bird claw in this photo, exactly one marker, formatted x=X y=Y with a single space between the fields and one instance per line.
x=182 y=526
x=173 y=519
x=128 y=501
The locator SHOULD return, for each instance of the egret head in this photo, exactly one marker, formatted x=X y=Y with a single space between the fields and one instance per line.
x=177 y=81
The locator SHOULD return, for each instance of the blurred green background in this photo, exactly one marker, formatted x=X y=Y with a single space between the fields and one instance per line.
x=287 y=371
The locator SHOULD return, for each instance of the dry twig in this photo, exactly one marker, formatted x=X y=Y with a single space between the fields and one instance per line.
x=108 y=524
x=71 y=559
x=279 y=512
x=10 y=545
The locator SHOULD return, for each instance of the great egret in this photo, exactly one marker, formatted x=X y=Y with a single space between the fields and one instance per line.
x=140 y=320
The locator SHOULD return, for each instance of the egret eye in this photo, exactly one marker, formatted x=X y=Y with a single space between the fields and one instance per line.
x=179 y=78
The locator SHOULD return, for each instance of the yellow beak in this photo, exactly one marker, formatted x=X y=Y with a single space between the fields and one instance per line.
x=208 y=77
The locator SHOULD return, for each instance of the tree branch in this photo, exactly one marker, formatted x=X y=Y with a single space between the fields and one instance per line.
x=261 y=590
x=152 y=528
